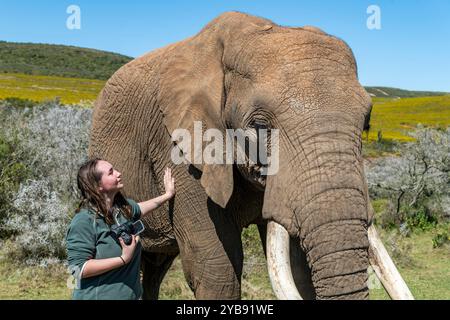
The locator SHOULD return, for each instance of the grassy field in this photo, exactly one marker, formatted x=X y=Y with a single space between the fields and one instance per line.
x=392 y=116
x=425 y=269
x=396 y=117
x=32 y=283
x=40 y=88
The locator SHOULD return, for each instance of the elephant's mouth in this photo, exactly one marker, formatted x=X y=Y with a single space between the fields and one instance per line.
x=255 y=169
x=290 y=275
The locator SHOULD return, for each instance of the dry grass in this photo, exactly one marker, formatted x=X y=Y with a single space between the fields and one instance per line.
x=425 y=269
x=33 y=283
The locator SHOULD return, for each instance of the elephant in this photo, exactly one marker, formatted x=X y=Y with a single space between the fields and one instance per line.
x=314 y=215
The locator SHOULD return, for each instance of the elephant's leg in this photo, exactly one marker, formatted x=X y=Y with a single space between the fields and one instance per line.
x=216 y=275
x=211 y=252
x=154 y=267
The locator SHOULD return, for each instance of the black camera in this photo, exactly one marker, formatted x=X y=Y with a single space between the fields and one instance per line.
x=127 y=229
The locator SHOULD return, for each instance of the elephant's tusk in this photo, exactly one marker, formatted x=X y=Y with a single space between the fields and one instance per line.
x=385 y=269
x=278 y=263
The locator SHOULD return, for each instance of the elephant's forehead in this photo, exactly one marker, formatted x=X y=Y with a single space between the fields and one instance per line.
x=296 y=48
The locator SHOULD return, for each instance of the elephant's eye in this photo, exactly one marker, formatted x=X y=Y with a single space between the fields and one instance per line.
x=367 y=120
x=262 y=132
x=259 y=124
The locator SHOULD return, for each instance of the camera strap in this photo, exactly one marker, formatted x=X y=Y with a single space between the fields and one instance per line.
x=116 y=212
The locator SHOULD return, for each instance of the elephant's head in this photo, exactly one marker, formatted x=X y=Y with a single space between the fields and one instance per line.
x=246 y=72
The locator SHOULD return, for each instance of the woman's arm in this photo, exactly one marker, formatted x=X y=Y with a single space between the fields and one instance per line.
x=94 y=267
x=152 y=204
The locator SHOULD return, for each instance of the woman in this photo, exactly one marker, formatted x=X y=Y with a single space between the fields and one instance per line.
x=104 y=266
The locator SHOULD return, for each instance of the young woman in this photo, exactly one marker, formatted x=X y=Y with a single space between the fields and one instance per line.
x=103 y=265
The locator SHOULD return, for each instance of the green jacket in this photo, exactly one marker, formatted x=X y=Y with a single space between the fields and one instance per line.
x=90 y=238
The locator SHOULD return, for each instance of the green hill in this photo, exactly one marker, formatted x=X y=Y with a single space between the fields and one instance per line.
x=385 y=92
x=58 y=60
x=75 y=62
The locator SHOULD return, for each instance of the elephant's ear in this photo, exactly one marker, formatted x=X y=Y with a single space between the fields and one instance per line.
x=192 y=89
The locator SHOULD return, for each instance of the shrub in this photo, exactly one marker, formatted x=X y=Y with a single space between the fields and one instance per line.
x=442 y=236
x=417 y=183
x=55 y=140
x=420 y=218
x=20 y=102
x=39 y=223
x=13 y=171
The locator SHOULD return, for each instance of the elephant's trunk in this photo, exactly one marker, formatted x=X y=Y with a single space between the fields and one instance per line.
x=327 y=213
x=320 y=197
x=332 y=221
x=336 y=250
x=337 y=253
x=325 y=198
x=333 y=234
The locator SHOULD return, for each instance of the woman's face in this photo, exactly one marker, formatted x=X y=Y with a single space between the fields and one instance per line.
x=110 y=181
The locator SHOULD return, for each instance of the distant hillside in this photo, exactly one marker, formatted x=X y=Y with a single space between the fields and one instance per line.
x=76 y=62
x=58 y=60
x=385 y=92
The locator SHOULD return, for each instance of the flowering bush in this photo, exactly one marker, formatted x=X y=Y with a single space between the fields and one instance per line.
x=39 y=223
x=54 y=139
x=57 y=140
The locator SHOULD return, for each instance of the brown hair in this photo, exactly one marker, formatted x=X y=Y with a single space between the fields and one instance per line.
x=88 y=179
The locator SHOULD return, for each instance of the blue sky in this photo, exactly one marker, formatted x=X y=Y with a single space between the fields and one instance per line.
x=410 y=51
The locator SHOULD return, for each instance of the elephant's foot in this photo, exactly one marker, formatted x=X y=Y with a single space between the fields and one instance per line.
x=154 y=267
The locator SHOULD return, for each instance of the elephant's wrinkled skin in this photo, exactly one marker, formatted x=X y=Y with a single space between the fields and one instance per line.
x=238 y=71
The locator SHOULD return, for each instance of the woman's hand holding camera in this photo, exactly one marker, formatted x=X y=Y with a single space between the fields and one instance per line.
x=94 y=267
x=128 y=251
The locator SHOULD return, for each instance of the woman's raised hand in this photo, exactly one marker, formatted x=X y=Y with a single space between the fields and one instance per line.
x=169 y=182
